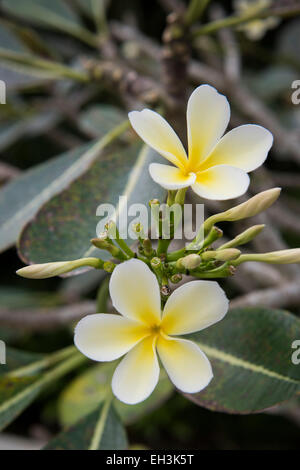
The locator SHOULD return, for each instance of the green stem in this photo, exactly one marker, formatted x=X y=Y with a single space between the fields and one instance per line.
x=112 y=228
x=195 y=10
x=171 y=197
x=163 y=245
x=180 y=196
x=175 y=255
x=102 y=296
x=234 y=20
x=225 y=270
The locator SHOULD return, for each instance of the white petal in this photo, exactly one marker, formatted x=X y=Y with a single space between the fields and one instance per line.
x=105 y=337
x=193 y=307
x=158 y=134
x=185 y=363
x=134 y=292
x=221 y=182
x=208 y=114
x=137 y=375
x=245 y=147
x=170 y=177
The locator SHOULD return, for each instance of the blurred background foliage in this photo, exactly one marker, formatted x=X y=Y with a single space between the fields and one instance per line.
x=73 y=69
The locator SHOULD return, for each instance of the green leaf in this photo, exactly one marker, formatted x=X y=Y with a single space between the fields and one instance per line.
x=250 y=351
x=95 y=9
x=13 y=78
x=55 y=14
x=97 y=120
x=63 y=227
x=20 y=199
x=89 y=389
x=9 y=41
x=30 y=40
x=34 y=124
x=17 y=393
x=16 y=359
x=38 y=67
x=101 y=430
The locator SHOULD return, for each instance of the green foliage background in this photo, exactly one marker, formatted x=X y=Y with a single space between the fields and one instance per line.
x=56 y=167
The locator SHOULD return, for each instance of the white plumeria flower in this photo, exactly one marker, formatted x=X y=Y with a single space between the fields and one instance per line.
x=141 y=331
x=216 y=167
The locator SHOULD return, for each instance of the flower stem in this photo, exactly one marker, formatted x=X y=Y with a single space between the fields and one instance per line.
x=102 y=296
x=195 y=10
x=112 y=228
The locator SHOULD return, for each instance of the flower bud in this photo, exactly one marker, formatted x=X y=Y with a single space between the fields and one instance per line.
x=244 y=237
x=191 y=261
x=108 y=246
x=139 y=231
x=147 y=245
x=103 y=236
x=165 y=291
x=154 y=202
x=176 y=278
x=274 y=257
x=155 y=262
x=46 y=270
x=222 y=255
x=112 y=230
x=109 y=266
x=258 y=203
x=199 y=243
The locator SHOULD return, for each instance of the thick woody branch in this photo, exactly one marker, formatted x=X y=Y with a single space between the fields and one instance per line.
x=117 y=75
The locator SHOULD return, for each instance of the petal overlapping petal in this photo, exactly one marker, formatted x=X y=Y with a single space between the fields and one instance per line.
x=156 y=132
x=221 y=182
x=208 y=114
x=193 y=307
x=137 y=375
x=245 y=147
x=106 y=337
x=170 y=177
x=186 y=365
x=134 y=292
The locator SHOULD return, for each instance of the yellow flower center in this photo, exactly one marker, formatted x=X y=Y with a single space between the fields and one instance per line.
x=155 y=329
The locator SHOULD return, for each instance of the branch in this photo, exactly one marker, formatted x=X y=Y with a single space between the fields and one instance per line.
x=45 y=319
x=172 y=5
x=277 y=297
x=232 y=57
x=117 y=75
x=288 y=180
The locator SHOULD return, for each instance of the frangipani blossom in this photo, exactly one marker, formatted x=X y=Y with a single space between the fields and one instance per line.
x=216 y=167
x=143 y=333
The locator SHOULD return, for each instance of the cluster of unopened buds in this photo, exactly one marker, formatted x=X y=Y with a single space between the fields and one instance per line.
x=152 y=316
